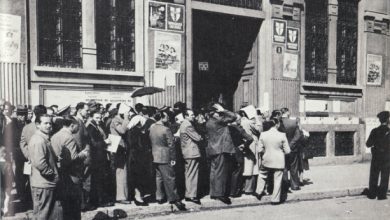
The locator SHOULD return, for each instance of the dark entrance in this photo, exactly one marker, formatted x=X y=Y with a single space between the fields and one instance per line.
x=224 y=42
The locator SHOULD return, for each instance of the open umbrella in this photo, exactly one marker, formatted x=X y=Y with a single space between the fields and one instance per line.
x=146 y=91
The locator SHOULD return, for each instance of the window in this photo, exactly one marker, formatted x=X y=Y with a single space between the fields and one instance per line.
x=115 y=34
x=347 y=23
x=316 y=144
x=251 y=4
x=59 y=33
x=316 y=51
x=344 y=142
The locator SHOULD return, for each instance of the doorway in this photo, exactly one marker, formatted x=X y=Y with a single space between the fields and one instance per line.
x=222 y=44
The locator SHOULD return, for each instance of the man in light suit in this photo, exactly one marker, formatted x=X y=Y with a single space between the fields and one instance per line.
x=191 y=154
x=293 y=134
x=273 y=145
x=164 y=158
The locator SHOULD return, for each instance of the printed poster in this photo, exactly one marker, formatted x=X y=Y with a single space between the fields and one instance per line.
x=290 y=65
x=279 y=31
x=10 y=38
x=167 y=51
x=292 y=38
x=175 y=17
x=374 y=69
x=157 y=15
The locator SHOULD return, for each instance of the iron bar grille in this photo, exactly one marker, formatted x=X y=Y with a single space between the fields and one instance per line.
x=59 y=33
x=316 y=49
x=250 y=4
x=115 y=34
x=347 y=27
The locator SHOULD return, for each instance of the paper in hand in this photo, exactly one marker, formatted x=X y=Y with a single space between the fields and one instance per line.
x=123 y=108
x=115 y=139
x=27 y=168
x=250 y=111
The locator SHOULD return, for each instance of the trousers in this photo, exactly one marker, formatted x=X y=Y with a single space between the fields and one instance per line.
x=46 y=205
x=166 y=182
x=219 y=175
x=191 y=175
x=277 y=177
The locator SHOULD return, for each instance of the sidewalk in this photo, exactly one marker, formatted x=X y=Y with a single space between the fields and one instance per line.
x=325 y=182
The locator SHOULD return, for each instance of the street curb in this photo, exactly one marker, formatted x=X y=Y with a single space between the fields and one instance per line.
x=136 y=212
x=208 y=204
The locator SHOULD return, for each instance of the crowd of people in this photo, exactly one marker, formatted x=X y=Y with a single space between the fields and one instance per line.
x=66 y=161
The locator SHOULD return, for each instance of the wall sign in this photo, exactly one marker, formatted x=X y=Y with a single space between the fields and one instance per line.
x=290 y=65
x=157 y=15
x=279 y=31
x=292 y=38
x=203 y=66
x=374 y=69
x=166 y=16
x=10 y=30
x=175 y=17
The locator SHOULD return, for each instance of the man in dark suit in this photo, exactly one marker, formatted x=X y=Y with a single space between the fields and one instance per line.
x=242 y=141
x=290 y=127
x=220 y=150
x=164 y=158
x=83 y=140
x=189 y=139
x=379 y=142
x=71 y=167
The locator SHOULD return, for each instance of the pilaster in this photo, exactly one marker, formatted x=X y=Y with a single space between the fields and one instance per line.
x=332 y=41
x=88 y=30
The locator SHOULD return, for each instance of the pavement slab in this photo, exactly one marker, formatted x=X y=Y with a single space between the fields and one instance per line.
x=324 y=182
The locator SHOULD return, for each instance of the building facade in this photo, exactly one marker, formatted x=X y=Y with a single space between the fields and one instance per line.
x=326 y=60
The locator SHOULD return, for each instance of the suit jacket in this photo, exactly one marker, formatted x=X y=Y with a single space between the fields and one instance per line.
x=83 y=139
x=98 y=145
x=163 y=148
x=218 y=135
x=189 y=138
x=118 y=127
x=240 y=137
x=292 y=132
x=72 y=163
x=44 y=171
x=27 y=132
x=379 y=142
x=274 y=145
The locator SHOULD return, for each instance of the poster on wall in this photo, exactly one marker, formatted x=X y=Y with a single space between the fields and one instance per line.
x=167 y=51
x=157 y=15
x=290 y=65
x=10 y=38
x=292 y=38
x=175 y=17
x=72 y=97
x=279 y=31
x=374 y=69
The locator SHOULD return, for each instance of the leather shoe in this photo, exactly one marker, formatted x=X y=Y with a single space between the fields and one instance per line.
x=88 y=208
x=295 y=188
x=382 y=197
x=138 y=203
x=124 y=202
x=225 y=200
x=108 y=204
x=162 y=201
x=179 y=205
x=194 y=200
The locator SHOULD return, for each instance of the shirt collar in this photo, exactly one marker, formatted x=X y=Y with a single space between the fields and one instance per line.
x=45 y=136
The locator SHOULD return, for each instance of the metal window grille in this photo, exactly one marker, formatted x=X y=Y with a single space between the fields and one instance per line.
x=250 y=4
x=316 y=49
x=347 y=27
x=115 y=34
x=59 y=33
